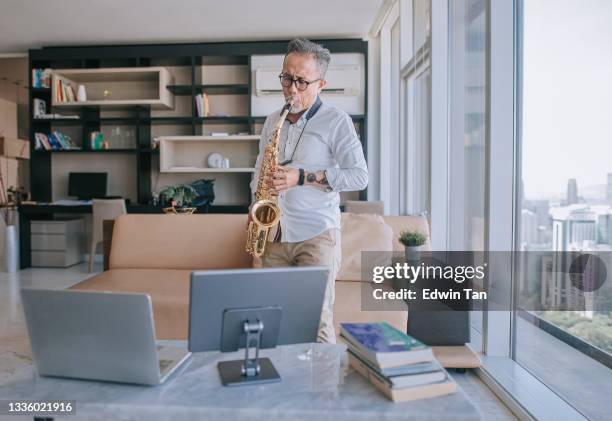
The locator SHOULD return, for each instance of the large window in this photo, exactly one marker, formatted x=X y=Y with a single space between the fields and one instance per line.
x=416 y=131
x=565 y=195
x=467 y=115
x=467 y=123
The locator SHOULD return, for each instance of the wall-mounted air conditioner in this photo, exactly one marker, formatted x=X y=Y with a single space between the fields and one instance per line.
x=341 y=80
x=345 y=83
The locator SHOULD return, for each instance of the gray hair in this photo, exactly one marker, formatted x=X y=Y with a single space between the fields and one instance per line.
x=318 y=52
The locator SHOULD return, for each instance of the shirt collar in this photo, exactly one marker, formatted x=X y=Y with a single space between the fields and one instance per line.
x=310 y=112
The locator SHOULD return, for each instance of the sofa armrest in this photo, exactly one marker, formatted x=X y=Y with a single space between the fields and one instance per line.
x=107 y=240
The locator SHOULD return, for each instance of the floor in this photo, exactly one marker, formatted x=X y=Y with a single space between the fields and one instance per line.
x=15 y=348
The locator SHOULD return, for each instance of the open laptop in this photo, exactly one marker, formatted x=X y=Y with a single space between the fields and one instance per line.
x=97 y=336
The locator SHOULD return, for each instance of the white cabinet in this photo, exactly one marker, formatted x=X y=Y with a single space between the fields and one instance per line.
x=57 y=243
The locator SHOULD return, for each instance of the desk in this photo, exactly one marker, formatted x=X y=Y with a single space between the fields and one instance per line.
x=323 y=388
x=29 y=213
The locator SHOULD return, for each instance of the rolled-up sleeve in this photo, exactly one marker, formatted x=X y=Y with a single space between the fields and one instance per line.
x=352 y=172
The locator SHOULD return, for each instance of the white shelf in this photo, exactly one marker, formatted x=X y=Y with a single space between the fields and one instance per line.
x=189 y=154
x=128 y=86
x=207 y=170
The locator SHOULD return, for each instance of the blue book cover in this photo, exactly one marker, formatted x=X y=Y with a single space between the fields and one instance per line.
x=381 y=337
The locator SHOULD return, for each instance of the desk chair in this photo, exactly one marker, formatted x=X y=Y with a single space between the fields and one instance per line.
x=102 y=209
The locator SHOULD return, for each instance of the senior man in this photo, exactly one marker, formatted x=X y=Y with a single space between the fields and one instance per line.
x=319 y=156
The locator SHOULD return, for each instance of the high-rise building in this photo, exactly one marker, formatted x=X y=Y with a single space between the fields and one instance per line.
x=572 y=225
x=609 y=189
x=529 y=227
x=604 y=228
x=572 y=191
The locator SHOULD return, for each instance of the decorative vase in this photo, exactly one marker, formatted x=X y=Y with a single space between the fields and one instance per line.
x=413 y=253
x=81 y=93
x=11 y=249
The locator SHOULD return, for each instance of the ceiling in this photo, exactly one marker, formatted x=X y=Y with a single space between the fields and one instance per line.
x=26 y=24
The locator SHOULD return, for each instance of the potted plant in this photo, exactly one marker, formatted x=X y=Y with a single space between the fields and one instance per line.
x=413 y=241
x=178 y=199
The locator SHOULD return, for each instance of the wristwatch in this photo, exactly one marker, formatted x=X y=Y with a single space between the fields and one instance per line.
x=301 y=179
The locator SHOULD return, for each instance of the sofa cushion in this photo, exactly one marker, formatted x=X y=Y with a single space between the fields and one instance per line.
x=361 y=232
x=347 y=308
x=404 y=222
x=168 y=289
x=210 y=241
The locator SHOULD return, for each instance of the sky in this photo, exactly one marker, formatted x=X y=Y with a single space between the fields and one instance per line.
x=567 y=94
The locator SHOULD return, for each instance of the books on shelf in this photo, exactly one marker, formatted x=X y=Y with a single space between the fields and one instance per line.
x=64 y=91
x=54 y=141
x=41 y=78
x=400 y=366
x=202 y=105
x=56 y=116
x=40 y=111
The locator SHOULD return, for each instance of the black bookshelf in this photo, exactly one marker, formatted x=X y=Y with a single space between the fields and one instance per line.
x=142 y=55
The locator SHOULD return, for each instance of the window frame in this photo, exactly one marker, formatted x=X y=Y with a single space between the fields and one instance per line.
x=419 y=65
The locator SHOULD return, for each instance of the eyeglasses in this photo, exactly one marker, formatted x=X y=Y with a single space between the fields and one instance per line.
x=301 y=84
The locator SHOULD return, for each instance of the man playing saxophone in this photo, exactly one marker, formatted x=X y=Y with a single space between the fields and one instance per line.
x=319 y=156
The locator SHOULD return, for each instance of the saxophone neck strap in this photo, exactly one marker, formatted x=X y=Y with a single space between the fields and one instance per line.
x=311 y=112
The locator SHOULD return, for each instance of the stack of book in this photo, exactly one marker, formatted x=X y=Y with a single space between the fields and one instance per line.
x=400 y=366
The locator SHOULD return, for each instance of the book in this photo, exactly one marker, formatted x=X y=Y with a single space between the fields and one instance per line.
x=400 y=370
x=385 y=346
x=40 y=107
x=198 y=105
x=401 y=394
x=56 y=116
x=437 y=374
x=206 y=106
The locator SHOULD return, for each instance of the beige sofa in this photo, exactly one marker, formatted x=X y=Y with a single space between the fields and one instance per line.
x=156 y=254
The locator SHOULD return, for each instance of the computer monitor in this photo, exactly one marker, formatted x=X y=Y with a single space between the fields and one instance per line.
x=87 y=185
x=229 y=309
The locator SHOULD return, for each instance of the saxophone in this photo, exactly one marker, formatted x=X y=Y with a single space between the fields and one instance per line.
x=265 y=212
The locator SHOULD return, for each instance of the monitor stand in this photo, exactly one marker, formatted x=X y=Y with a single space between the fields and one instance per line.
x=251 y=369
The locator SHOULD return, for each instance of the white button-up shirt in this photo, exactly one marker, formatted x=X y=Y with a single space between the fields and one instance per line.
x=329 y=143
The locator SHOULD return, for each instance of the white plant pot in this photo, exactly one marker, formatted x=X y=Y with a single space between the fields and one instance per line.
x=11 y=249
x=81 y=93
x=413 y=252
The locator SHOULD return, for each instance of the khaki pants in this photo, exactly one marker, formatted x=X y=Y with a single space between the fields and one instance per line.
x=322 y=250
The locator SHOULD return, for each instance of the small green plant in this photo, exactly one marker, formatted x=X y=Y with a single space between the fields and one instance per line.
x=182 y=196
x=412 y=238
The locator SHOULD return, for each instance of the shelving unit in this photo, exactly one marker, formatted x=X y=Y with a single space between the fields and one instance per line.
x=169 y=76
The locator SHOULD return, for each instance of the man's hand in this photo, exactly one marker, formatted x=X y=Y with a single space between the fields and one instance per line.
x=284 y=178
